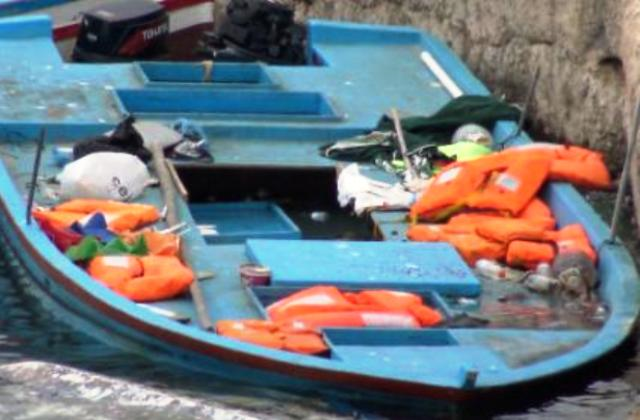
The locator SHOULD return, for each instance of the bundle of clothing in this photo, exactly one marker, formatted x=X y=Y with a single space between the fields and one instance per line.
x=422 y=134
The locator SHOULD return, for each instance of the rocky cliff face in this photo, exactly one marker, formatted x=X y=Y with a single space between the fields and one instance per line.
x=586 y=51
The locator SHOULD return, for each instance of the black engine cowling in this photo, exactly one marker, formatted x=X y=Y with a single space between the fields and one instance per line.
x=257 y=30
x=122 y=31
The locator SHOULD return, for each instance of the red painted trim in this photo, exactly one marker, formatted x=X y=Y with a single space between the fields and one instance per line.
x=181 y=4
x=70 y=30
x=66 y=31
x=341 y=379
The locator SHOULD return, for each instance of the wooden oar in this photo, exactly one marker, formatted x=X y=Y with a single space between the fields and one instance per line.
x=402 y=144
x=169 y=194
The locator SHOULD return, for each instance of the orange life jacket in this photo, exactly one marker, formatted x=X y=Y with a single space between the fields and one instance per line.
x=577 y=165
x=350 y=319
x=142 y=278
x=468 y=221
x=529 y=254
x=536 y=212
x=448 y=191
x=146 y=212
x=573 y=238
x=114 y=270
x=506 y=230
x=387 y=299
x=426 y=316
x=399 y=301
x=305 y=343
x=539 y=213
x=268 y=334
x=313 y=299
x=120 y=217
x=328 y=300
x=471 y=246
x=512 y=189
x=251 y=332
x=60 y=218
x=158 y=243
x=522 y=171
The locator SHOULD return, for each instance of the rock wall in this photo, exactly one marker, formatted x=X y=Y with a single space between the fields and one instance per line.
x=587 y=50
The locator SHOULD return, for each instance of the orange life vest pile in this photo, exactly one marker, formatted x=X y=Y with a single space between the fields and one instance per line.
x=121 y=217
x=492 y=210
x=158 y=275
x=296 y=321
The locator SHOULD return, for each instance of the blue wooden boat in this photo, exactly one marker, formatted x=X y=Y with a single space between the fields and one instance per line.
x=272 y=119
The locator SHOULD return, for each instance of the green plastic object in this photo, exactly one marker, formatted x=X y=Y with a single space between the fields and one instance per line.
x=90 y=247
x=464 y=150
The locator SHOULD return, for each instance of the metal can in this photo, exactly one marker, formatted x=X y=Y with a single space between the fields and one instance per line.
x=255 y=275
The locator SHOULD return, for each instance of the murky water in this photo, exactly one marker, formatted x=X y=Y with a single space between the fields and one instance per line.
x=141 y=389
x=121 y=386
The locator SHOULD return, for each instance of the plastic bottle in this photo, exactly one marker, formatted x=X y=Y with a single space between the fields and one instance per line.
x=544 y=269
x=497 y=271
x=540 y=283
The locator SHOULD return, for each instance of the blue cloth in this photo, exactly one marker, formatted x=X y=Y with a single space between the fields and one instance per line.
x=189 y=130
x=95 y=226
x=194 y=144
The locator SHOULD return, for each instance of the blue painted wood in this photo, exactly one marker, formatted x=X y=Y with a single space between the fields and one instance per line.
x=414 y=265
x=223 y=75
x=231 y=102
x=237 y=222
x=414 y=353
x=366 y=70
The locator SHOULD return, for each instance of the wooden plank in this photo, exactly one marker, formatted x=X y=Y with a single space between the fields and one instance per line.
x=168 y=192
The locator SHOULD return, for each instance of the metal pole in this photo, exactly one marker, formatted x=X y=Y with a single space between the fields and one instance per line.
x=402 y=144
x=527 y=101
x=34 y=172
x=624 y=178
x=169 y=193
x=525 y=109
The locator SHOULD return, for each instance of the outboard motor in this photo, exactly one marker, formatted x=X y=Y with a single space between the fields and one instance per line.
x=257 y=30
x=122 y=31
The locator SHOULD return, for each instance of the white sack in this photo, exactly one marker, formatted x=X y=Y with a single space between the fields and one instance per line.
x=104 y=175
x=367 y=194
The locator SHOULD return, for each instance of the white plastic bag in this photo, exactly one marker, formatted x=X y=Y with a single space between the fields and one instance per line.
x=104 y=175
x=366 y=193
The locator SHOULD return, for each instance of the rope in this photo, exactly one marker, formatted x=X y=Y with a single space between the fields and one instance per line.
x=207 y=67
x=624 y=178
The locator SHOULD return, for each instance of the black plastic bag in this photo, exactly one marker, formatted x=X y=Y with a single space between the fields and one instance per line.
x=123 y=139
